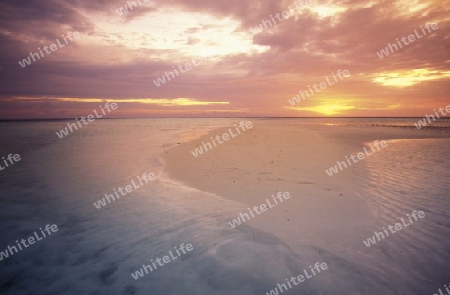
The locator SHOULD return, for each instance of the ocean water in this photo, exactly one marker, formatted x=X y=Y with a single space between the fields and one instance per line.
x=439 y=123
x=96 y=250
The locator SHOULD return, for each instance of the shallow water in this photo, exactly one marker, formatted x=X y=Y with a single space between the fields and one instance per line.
x=413 y=174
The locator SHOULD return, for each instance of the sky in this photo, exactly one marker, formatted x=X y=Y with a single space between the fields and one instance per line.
x=216 y=64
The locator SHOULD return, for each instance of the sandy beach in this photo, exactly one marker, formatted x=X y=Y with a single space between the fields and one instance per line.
x=325 y=214
x=277 y=155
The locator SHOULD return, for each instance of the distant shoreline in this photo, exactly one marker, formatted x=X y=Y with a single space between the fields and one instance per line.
x=68 y=119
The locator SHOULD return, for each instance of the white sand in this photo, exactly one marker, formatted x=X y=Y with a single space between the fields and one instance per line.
x=282 y=155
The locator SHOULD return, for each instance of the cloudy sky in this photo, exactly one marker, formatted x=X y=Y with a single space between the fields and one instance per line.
x=234 y=71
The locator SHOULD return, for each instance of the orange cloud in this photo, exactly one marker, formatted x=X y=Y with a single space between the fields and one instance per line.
x=167 y=102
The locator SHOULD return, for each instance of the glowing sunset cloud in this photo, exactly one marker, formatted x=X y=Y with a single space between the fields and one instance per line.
x=156 y=101
x=327 y=10
x=186 y=33
x=409 y=78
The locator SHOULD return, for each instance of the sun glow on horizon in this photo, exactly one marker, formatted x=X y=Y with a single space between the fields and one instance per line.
x=326 y=109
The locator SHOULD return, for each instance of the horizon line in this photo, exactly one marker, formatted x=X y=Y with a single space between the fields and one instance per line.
x=253 y=117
